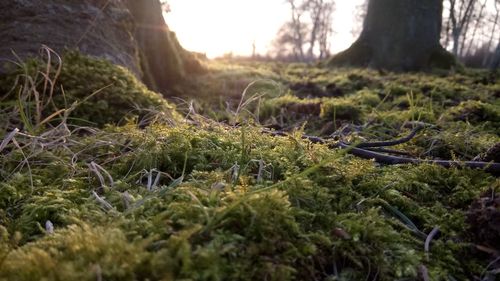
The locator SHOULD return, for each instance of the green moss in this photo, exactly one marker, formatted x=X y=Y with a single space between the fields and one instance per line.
x=208 y=201
x=367 y=98
x=442 y=59
x=77 y=253
x=341 y=110
x=461 y=141
x=475 y=112
x=105 y=93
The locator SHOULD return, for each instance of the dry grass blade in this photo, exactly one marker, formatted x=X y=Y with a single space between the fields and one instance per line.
x=99 y=171
x=245 y=102
x=151 y=184
x=105 y=204
x=8 y=138
x=52 y=81
x=25 y=161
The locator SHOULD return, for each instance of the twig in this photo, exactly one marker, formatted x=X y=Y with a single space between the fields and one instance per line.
x=105 y=204
x=423 y=273
x=490 y=167
x=493 y=168
x=406 y=139
x=429 y=238
x=390 y=151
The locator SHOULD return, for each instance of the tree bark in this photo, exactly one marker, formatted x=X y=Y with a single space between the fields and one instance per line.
x=96 y=28
x=131 y=33
x=163 y=60
x=400 y=35
x=495 y=62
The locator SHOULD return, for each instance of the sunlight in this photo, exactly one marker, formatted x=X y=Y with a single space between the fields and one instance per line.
x=223 y=26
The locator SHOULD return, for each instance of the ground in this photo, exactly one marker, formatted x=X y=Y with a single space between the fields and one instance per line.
x=192 y=189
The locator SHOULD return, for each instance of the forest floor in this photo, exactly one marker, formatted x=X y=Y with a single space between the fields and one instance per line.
x=102 y=179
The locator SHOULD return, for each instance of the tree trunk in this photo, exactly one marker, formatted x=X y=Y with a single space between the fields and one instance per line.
x=94 y=27
x=476 y=27
x=163 y=60
x=399 y=35
x=129 y=33
x=495 y=62
x=486 y=58
x=297 y=29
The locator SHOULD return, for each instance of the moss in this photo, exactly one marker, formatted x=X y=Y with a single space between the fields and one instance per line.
x=442 y=59
x=367 y=98
x=247 y=208
x=461 y=141
x=77 y=253
x=105 y=93
x=208 y=201
x=475 y=112
x=359 y=54
x=341 y=110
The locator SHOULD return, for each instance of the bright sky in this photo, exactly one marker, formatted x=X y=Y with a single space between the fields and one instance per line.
x=217 y=27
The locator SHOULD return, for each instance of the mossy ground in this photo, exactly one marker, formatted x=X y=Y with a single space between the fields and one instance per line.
x=195 y=199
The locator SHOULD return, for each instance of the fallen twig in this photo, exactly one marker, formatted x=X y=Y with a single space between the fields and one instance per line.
x=427 y=245
x=363 y=150
x=390 y=151
x=489 y=167
x=406 y=139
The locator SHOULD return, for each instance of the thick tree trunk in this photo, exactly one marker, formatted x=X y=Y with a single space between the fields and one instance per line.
x=163 y=60
x=131 y=33
x=399 y=35
x=94 y=27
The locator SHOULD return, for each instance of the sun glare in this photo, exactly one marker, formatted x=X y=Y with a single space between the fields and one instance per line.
x=232 y=26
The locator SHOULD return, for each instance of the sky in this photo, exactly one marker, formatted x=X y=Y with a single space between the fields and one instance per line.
x=218 y=27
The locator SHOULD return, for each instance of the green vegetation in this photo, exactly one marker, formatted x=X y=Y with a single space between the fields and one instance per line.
x=154 y=198
x=105 y=93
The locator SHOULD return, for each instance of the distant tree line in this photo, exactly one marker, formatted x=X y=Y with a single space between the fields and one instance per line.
x=470 y=30
x=307 y=35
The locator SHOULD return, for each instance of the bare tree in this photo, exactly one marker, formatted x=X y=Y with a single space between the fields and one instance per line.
x=491 y=38
x=477 y=34
x=478 y=24
x=459 y=17
x=320 y=13
x=308 y=33
x=325 y=30
x=288 y=44
x=297 y=28
x=165 y=6
x=495 y=61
